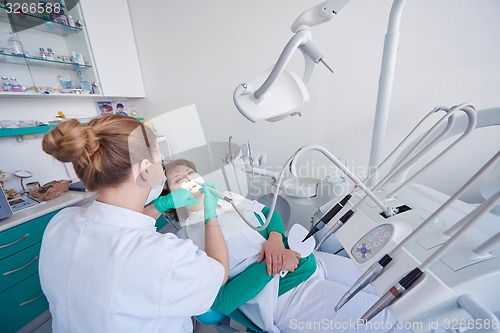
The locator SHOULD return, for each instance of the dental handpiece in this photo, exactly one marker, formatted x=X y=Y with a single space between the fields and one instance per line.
x=217 y=193
x=399 y=289
x=328 y=216
x=343 y=220
x=392 y=294
x=370 y=275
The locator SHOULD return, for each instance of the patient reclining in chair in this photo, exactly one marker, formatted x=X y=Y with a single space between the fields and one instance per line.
x=301 y=301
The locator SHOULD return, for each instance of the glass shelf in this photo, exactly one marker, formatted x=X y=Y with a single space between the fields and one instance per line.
x=30 y=93
x=37 y=73
x=39 y=23
x=20 y=59
x=6 y=132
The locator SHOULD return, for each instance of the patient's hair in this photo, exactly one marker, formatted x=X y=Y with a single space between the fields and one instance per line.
x=180 y=161
x=179 y=213
x=103 y=151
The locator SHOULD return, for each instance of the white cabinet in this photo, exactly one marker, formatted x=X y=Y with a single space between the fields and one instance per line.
x=105 y=42
x=112 y=39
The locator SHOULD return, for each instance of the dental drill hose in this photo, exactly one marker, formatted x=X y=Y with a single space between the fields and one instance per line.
x=370 y=275
x=328 y=216
x=224 y=197
x=393 y=294
x=273 y=204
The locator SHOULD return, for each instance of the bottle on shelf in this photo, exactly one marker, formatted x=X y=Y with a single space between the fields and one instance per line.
x=16 y=87
x=50 y=55
x=71 y=21
x=15 y=45
x=42 y=53
x=6 y=85
x=61 y=17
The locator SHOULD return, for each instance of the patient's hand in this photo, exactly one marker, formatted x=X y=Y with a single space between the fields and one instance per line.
x=290 y=260
x=273 y=253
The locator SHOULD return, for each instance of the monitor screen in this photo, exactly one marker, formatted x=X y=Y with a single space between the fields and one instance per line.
x=5 y=210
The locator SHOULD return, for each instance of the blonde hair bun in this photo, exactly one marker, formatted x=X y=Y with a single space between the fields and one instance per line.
x=70 y=141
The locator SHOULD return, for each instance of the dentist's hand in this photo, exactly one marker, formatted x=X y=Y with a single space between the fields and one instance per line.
x=176 y=199
x=209 y=201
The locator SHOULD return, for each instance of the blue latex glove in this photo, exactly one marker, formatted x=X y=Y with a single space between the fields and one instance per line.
x=176 y=199
x=209 y=201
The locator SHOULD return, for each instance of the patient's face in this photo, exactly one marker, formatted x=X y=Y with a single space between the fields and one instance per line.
x=182 y=176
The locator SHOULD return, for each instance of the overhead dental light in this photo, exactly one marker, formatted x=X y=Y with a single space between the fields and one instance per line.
x=267 y=103
x=280 y=91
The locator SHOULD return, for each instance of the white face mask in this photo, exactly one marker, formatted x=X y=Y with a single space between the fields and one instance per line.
x=155 y=190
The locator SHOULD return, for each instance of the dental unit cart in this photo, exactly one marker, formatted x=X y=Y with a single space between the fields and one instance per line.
x=434 y=300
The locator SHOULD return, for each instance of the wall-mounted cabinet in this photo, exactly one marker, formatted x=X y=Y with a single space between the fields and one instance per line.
x=96 y=45
x=111 y=34
x=43 y=53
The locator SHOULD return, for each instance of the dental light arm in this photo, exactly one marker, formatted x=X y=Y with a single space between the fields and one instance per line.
x=302 y=39
x=318 y=14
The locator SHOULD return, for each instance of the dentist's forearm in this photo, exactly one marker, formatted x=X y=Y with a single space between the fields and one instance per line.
x=215 y=245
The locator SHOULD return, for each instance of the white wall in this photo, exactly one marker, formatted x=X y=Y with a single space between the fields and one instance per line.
x=28 y=155
x=199 y=51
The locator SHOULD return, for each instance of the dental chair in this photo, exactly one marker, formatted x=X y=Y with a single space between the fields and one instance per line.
x=220 y=321
x=282 y=207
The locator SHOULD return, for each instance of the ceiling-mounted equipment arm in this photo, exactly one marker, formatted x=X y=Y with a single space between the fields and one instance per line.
x=297 y=40
x=281 y=91
x=318 y=14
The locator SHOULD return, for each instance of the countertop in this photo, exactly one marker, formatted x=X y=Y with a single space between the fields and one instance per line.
x=69 y=198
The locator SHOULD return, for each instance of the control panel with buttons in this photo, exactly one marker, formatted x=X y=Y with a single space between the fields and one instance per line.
x=370 y=244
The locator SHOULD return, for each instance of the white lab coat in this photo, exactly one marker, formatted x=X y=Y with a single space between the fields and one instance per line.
x=106 y=269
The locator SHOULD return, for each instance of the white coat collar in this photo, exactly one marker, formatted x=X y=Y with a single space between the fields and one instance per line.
x=101 y=212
